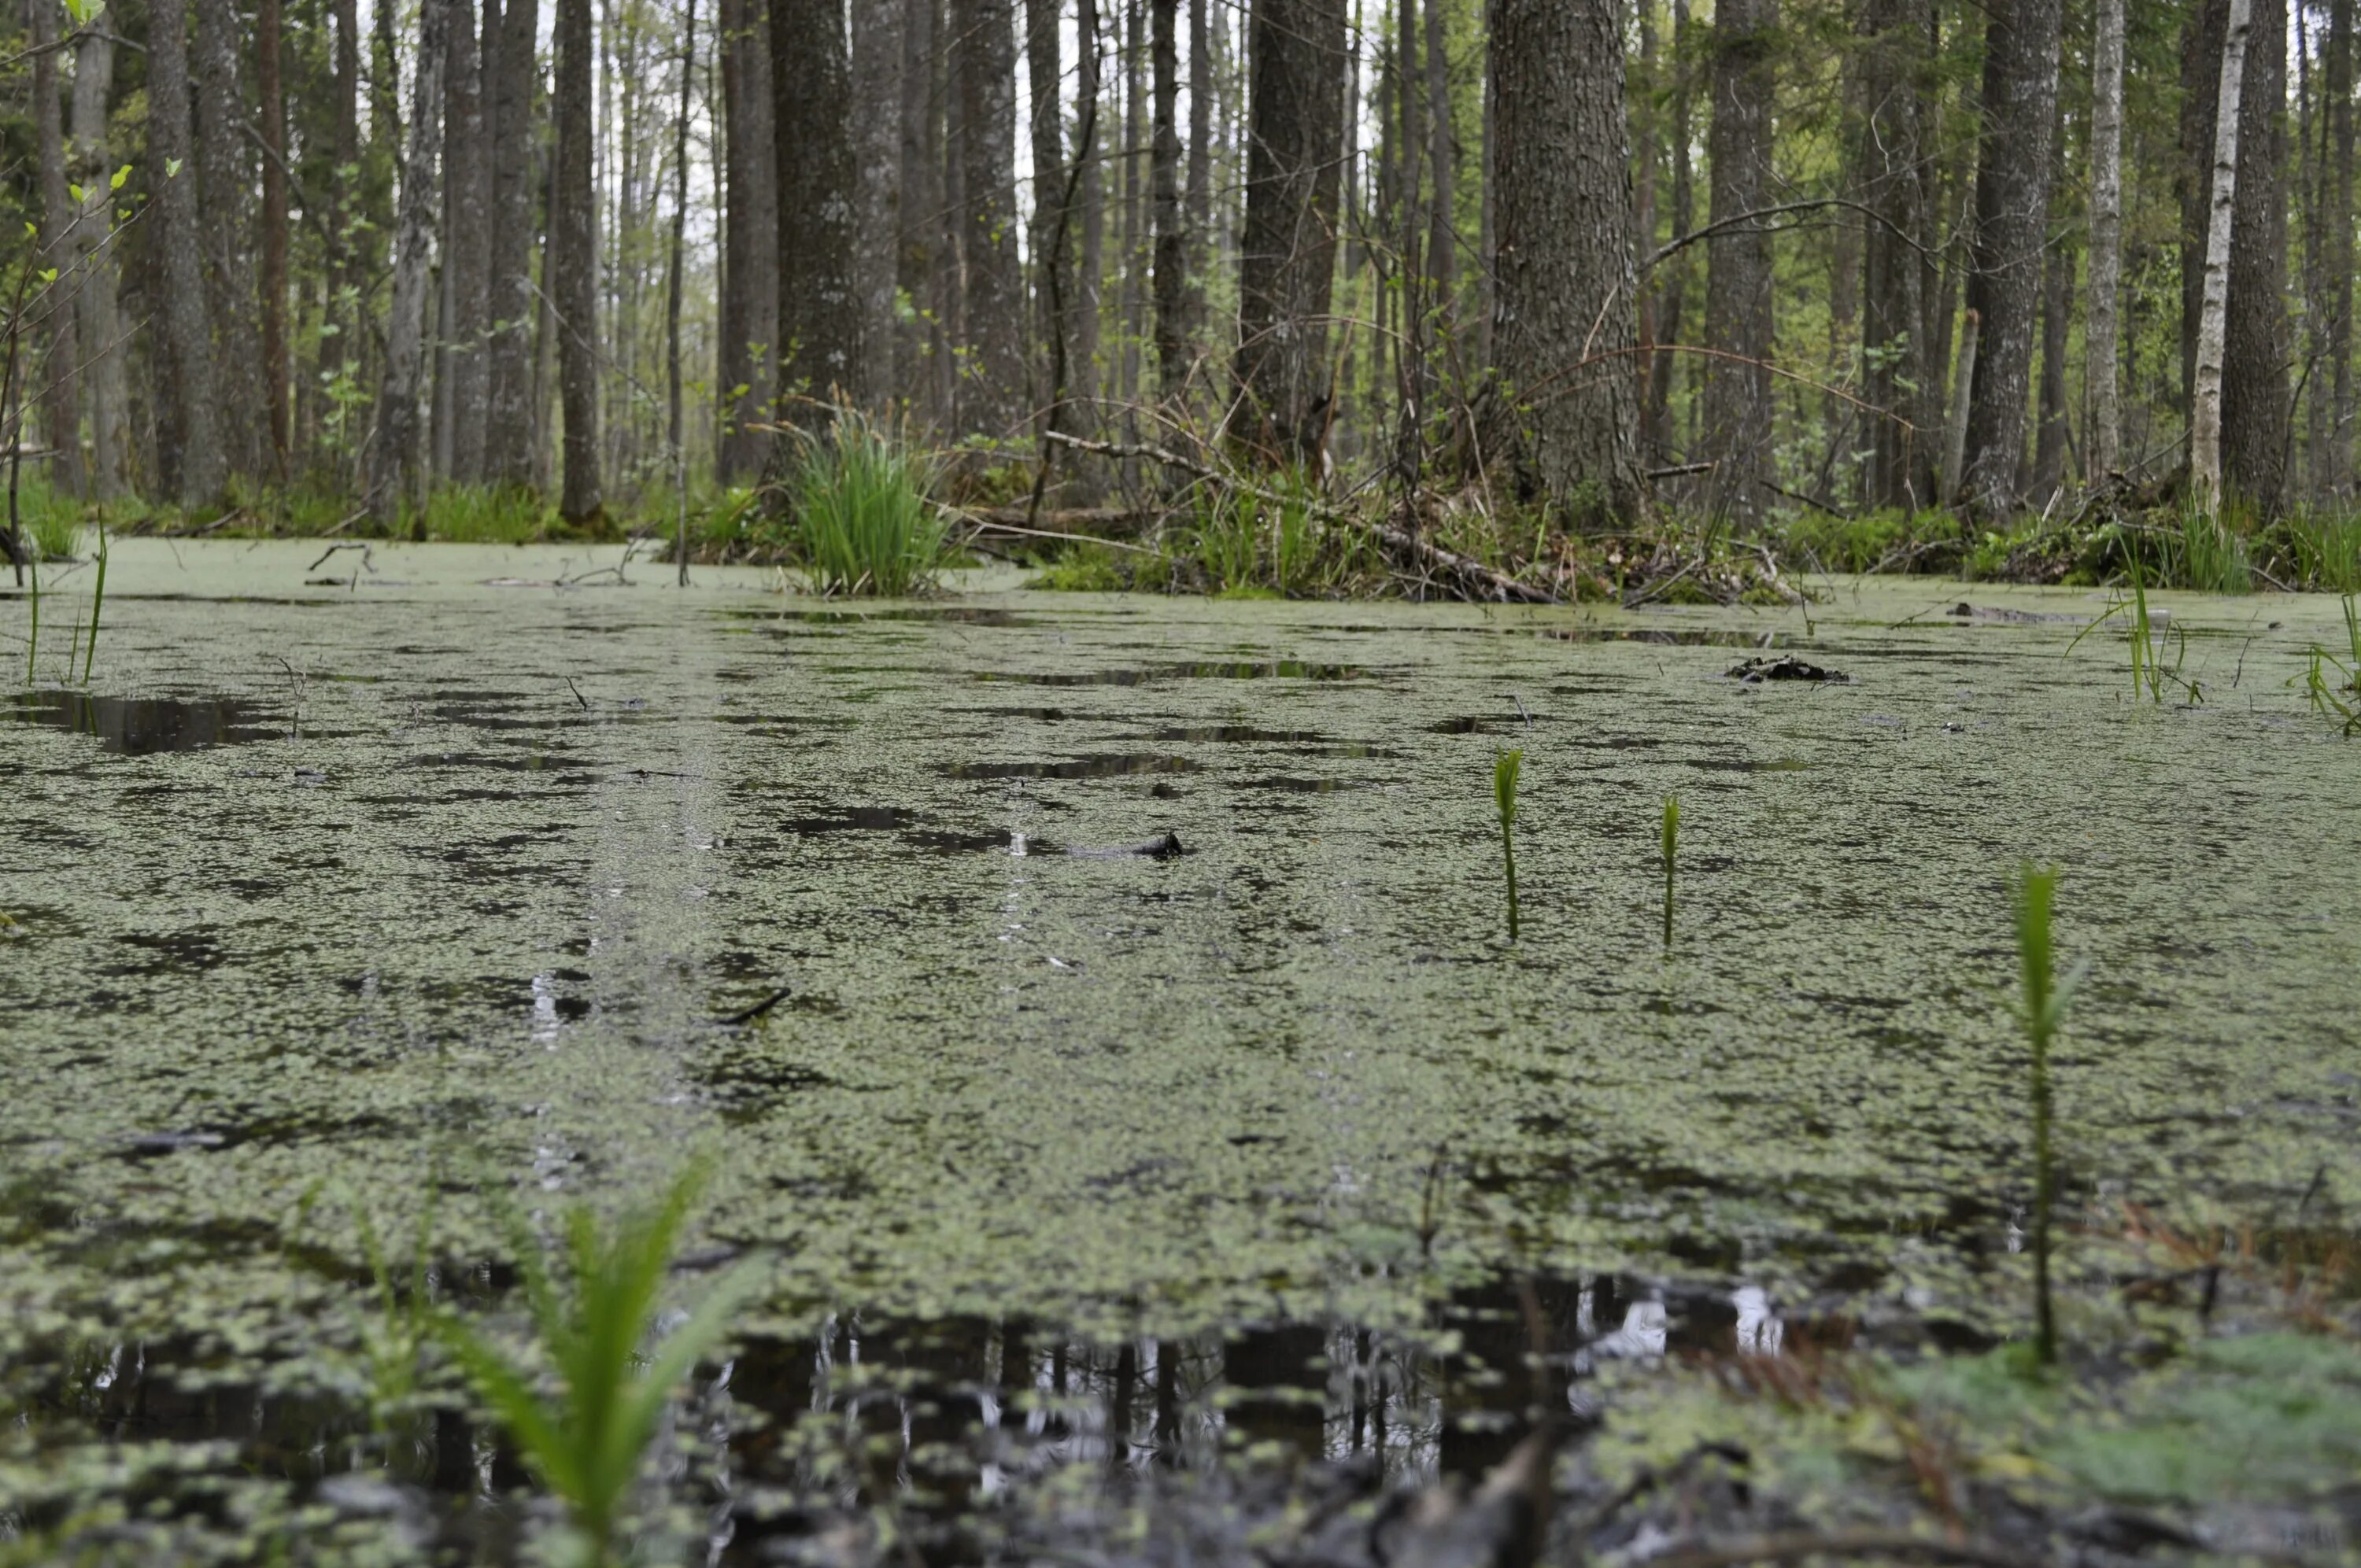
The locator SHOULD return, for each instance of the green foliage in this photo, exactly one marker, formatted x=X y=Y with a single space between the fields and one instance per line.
x=1083 y=569
x=862 y=519
x=1244 y=540
x=2045 y=1000
x=2338 y=694
x=2208 y=554
x=586 y=1437
x=1505 y=767
x=2146 y=642
x=1826 y=542
x=2325 y=548
x=53 y=520
x=487 y=514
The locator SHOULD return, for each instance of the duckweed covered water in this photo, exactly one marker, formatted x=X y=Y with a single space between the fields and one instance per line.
x=440 y=882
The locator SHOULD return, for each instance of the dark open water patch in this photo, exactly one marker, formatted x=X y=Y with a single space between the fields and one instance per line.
x=1197 y=670
x=141 y=726
x=1111 y=765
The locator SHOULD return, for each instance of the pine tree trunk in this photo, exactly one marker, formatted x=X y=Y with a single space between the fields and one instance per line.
x=574 y=298
x=877 y=159
x=52 y=371
x=2205 y=414
x=395 y=465
x=96 y=317
x=1287 y=259
x=1564 y=269
x=227 y=236
x=2101 y=342
x=750 y=301
x=190 y=463
x=274 y=229
x=1737 y=321
x=2259 y=348
x=2020 y=107
x=466 y=259
x=819 y=298
x=993 y=400
x=1174 y=330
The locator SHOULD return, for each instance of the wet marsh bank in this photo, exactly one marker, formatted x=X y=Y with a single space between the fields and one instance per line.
x=445 y=879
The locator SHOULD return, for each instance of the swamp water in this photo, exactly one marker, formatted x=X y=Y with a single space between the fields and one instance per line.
x=383 y=894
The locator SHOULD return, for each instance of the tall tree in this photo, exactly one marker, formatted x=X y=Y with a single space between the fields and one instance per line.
x=395 y=461
x=819 y=298
x=1045 y=130
x=1174 y=329
x=466 y=251
x=96 y=317
x=877 y=54
x=1893 y=155
x=190 y=462
x=1442 y=240
x=2337 y=263
x=2205 y=414
x=992 y=399
x=1564 y=275
x=226 y=233
x=2020 y=104
x=54 y=372
x=511 y=305
x=674 y=435
x=272 y=97
x=2099 y=333
x=1671 y=312
x=918 y=347
x=750 y=271
x=574 y=296
x=1286 y=263
x=1737 y=315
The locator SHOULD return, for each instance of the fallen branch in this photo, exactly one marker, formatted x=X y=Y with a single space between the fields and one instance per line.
x=1841 y=1544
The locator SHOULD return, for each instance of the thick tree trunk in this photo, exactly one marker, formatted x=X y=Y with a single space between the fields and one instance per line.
x=1082 y=382
x=1046 y=128
x=750 y=300
x=53 y=372
x=1738 y=320
x=512 y=421
x=1671 y=313
x=1564 y=271
x=992 y=399
x=395 y=461
x=819 y=298
x=1198 y=196
x=1895 y=368
x=2049 y=468
x=466 y=257
x=1442 y=240
x=1174 y=330
x=96 y=317
x=2020 y=107
x=1287 y=259
x=190 y=462
x=574 y=296
x=918 y=342
x=274 y=228
x=226 y=234
x=877 y=55
x=1133 y=240
x=2101 y=343
x=2338 y=262
x=2205 y=413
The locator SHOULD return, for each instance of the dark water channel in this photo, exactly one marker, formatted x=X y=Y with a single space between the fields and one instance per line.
x=1110 y=1168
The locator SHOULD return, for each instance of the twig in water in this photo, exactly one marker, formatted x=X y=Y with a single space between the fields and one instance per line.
x=578 y=694
x=749 y=1014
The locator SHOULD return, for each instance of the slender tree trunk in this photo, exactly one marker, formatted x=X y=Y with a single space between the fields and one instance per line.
x=1563 y=270
x=1198 y=197
x=1648 y=134
x=2050 y=432
x=877 y=55
x=819 y=298
x=2338 y=262
x=1287 y=262
x=1897 y=370
x=1134 y=240
x=226 y=234
x=511 y=418
x=2259 y=353
x=2100 y=340
x=1174 y=330
x=274 y=228
x=1083 y=376
x=191 y=464
x=674 y=433
x=1443 y=240
x=919 y=345
x=1046 y=125
x=1738 y=320
x=574 y=299
x=992 y=396
x=1671 y=315
x=396 y=466
x=2205 y=420
x=467 y=256
x=96 y=319
x=750 y=275
x=53 y=372
x=2020 y=99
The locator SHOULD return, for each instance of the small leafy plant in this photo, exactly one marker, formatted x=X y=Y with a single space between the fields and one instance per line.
x=1505 y=765
x=2044 y=1008
x=1672 y=845
x=2150 y=675
x=586 y=1437
x=2338 y=695
x=864 y=522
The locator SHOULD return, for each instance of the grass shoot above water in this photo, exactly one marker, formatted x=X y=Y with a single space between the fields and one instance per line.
x=587 y=1438
x=2150 y=675
x=2338 y=695
x=1505 y=765
x=1671 y=847
x=864 y=522
x=2044 y=1007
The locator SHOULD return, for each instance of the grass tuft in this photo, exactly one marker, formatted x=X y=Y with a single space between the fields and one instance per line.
x=863 y=521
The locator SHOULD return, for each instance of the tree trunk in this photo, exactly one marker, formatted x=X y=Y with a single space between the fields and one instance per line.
x=878 y=55
x=1737 y=321
x=2337 y=263
x=53 y=372
x=750 y=300
x=274 y=228
x=96 y=318
x=1671 y=313
x=1083 y=377
x=226 y=234
x=1897 y=370
x=993 y=400
x=918 y=345
x=2049 y=430
x=1046 y=125
x=2020 y=107
x=674 y=434
x=1564 y=271
x=1443 y=240
x=395 y=465
x=1288 y=258
x=574 y=298
x=819 y=299
x=511 y=304
x=1174 y=330
x=1133 y=240
x=1198 y=196
x=467 y=258
x=2100 y=339
x=190 y=462
x=2205 y=413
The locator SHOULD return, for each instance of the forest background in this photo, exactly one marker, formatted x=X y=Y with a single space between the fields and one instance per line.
x=1523 y=293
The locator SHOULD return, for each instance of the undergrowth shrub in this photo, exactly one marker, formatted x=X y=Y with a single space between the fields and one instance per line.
x=863 y=522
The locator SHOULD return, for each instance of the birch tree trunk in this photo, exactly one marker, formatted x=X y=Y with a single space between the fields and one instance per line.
x=190 y=462
x=395 y=460
x=2100 y=341
x=2214 y=311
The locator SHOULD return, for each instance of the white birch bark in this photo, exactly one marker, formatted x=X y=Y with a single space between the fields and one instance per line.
x=2214 y=312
